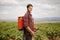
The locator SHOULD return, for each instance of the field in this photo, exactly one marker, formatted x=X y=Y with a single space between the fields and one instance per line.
x=47 y=31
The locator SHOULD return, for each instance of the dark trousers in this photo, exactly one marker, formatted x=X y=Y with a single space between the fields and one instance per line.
x=27 y=35
x=27 y=38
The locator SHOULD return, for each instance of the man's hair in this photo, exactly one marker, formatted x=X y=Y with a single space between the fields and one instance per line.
x=29 y=5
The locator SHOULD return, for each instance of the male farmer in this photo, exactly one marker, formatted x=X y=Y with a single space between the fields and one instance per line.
x=28 y=24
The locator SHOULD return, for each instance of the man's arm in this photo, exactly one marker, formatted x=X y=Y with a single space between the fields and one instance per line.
x=29 y=30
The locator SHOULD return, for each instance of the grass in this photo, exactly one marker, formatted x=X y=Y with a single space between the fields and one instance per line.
x=45 y=30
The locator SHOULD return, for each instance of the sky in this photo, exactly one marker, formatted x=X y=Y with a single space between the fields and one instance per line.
x=11 y=9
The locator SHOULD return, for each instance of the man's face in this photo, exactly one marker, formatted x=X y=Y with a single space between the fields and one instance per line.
x=29 y=8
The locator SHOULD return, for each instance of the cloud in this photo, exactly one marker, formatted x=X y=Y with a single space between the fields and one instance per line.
x=8 y=2
x=41 y=8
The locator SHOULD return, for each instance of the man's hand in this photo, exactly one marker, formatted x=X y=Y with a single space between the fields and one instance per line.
x=36 y=29
x=32 y=33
